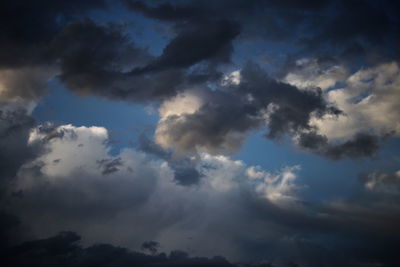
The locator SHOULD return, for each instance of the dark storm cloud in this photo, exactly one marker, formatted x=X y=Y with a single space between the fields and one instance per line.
x=15 y=127
x=360 y=145
x=343 y=29
x=212 y=126
x=39 y=39
x=293 y=107
x=101 y=60
x=64 y=250
x=209 y=40
x=198 y=10
x=27 y=60
x=165 y=11
x=94 y=58
x=228 y=115
x=29 y=26
x=97 y=59
x=364 y=19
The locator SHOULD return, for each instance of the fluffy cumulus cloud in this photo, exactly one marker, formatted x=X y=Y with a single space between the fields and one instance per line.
x=69 y=186
x=350 y=118
x=310 y=73
x=368 y=101
x=129 y=198
x=366 y=98
x=218 y=120
x=190 y=122
x=24 y=84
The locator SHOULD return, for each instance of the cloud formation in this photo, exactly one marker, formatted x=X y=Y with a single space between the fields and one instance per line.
x=15 y=126
x=142 y=200
x=323 y=75
x=218 y=121
x=91 y=58
x=210 y=40
x=367 y=100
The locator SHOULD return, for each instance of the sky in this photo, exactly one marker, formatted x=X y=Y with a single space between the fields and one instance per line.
x=200 y=133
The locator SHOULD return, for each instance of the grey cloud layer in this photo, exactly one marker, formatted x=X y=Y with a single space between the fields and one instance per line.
x=225 y=116
x=143 y=202
x=196 y=200
x=343 y=29
x=102 y=60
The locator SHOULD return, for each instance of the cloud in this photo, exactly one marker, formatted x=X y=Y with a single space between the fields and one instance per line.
x=96 y=59
x=355 y=16
x=367 y=100
x=15 y=126
x=382 y=183
x=88 y=58
x=99 y=64
x=278 y=21
x=101 y=60
x=27 y=84
x=309 y=73
x=360 y=145
x=278 y=188
x=288 y=109
x=218 y=120
x=218 y=125
x=242 y=212
x=179 y=191
x=110 y=165
x=29 y=28
x=185 y=172
x=165 y=11
x=27 y=58
x=210 y=40
x=65 y=183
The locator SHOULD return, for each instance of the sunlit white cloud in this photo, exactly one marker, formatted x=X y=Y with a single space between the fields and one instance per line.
x=369 y=100
x=24 y=86
x=232 y=78
x=308 y=73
